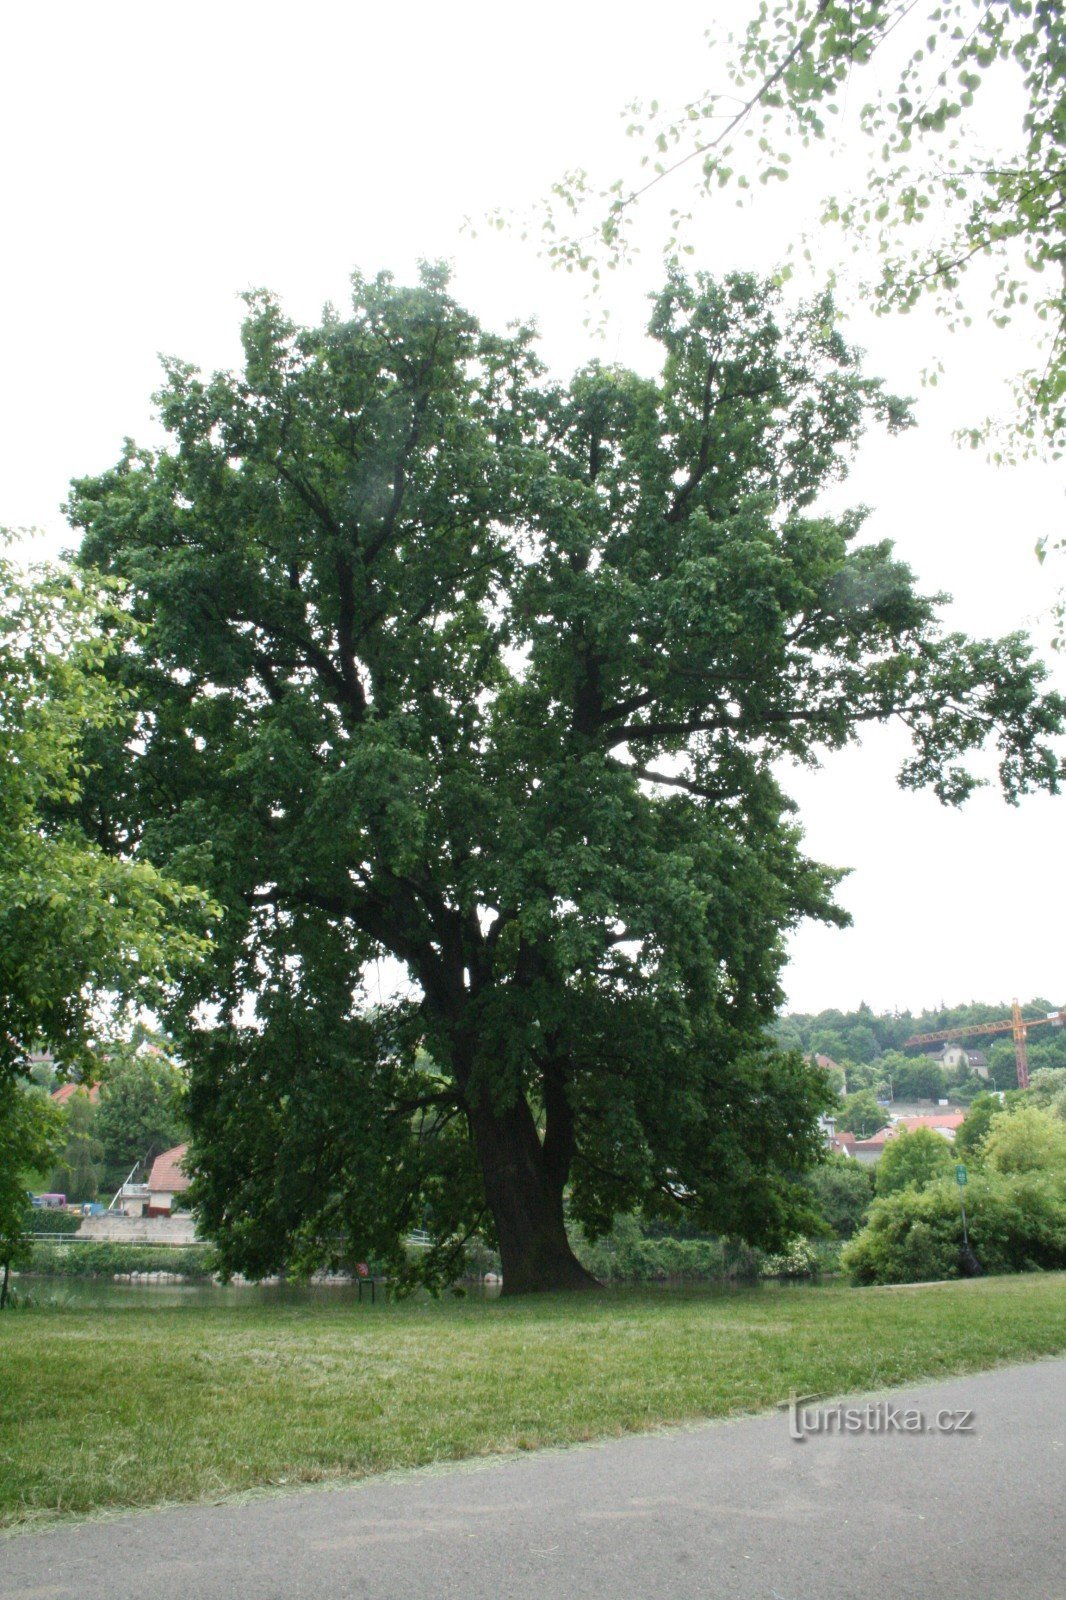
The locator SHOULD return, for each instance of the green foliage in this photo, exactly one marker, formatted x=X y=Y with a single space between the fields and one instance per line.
x=844 y=1037
x=84 y=934
x=932 y=163
x=860 y=1114
x=937 y=197
x=30 y=1134
x=77 y=1172
x=45 y=1220
x=1016 y=1224
x=140 y=1109
x=798 y=1260
x=103 y=1259
x=1047 y=1088
x=970 y=1137
x=842 y=1189
x=918 y=1080
x=629 y=1253
x=913 y=1159
x=494 y=675
x=1029 y=1139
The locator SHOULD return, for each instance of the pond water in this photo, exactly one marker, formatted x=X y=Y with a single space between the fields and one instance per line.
x=89 y=1292
x=86 y=1293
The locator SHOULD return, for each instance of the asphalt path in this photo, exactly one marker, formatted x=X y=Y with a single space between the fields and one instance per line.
x=724 y=1510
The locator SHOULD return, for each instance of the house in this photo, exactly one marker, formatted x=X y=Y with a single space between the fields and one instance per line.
x=67 y=1091
x=957 y=1058
x=946 y=1123
x=166 y=1181
x=870 y=1150
x=943 y=1122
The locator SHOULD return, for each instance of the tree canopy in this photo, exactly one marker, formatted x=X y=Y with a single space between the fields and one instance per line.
x=441 y=659
x=940 y=193
x=140 y=1109
x=31 y=1134
x=913 y=1158
x=84 y=933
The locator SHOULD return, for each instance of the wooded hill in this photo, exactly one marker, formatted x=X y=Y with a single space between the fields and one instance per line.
x=864 y=1038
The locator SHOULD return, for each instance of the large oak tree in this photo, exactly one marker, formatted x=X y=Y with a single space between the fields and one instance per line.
x=494 y=675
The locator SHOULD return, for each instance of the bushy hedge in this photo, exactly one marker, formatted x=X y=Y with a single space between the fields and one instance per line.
x=49 y=1221
x=103 y=1259
x=626 y=1256
x=1017 y=1223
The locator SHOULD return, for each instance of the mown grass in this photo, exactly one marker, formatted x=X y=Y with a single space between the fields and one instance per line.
x=113 y=1408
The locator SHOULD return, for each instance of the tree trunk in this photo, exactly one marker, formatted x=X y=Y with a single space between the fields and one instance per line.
x=3 y=1288
x=526 y=1202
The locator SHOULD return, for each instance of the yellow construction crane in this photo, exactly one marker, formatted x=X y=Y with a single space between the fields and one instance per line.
x=1015 y=1024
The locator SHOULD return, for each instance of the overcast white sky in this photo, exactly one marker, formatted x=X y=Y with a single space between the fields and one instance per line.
x=159 y=159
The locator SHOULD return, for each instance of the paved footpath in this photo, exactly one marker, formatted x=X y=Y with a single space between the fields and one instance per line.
x=720 y=1510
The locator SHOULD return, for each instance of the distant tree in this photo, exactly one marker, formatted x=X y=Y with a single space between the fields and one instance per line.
x=842 y=1190
x=918 y=1080
x=140 y=1109
x=860 y=1114
x=1047 y=1089
x=31 y=1133
x=77 y=1171
x=861 y=1043
x=1028 y=1140
x=971 y=1135
x=1003 y=1066
x=913 y=1159
x=829 y=1042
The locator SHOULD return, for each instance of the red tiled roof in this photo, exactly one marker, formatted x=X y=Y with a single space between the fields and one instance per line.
x=946 y=1119
x=166 y=1176
x=67 y=1090
x=948 y=1122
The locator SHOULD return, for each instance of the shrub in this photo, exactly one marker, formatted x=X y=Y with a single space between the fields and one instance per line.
x=800 y=1260
x=1028 y=1140
x=627 y=1255
x=104 y=1259
x=842 y=1190
x=1016 y=1224
x=48 y=1221
x=913 y=1159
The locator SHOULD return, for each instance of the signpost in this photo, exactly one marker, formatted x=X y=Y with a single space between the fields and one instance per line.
x=960 y=1179
x=969 y=1263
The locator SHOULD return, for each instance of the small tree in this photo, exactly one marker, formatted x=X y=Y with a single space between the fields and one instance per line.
x=860 y=1114
x=31 y=1133
x=971 y=1135
x=842 y=1190
x=140 y=1110
x=77 y=1172
x=913 y=1159
x=83 y=931
x=918 y=1080
x=1029 y=1139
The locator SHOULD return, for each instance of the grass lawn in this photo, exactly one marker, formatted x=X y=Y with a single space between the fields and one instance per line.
x=123 y=1407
